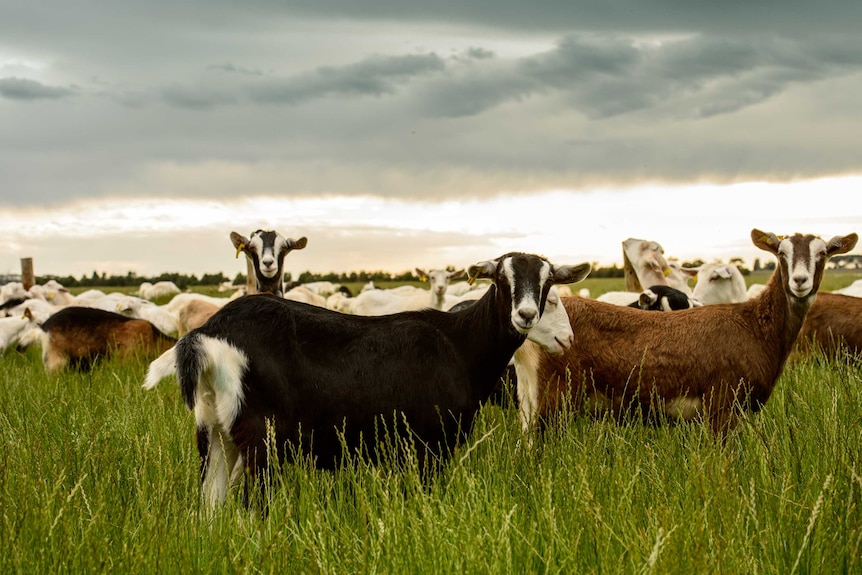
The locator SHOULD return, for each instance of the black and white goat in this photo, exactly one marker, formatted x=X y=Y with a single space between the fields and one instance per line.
x=663 y=298
x=266 y=250
x=316 y=381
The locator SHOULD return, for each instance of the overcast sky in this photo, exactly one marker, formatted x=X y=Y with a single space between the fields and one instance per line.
x=135 y=136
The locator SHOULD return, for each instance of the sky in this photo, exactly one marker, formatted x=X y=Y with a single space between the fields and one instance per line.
x=135 y=136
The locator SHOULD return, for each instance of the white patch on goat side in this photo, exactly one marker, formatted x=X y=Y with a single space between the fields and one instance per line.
x=682 y=407
x=221 y=380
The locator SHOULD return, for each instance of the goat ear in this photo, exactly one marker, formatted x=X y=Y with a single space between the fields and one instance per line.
x=297 y=244
x=240 y=242
x=841 y=245
x=765 y=241
x=482 y=270
x=456 y=274
x=571 y=274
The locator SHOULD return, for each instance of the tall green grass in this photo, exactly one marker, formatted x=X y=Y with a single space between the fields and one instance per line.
x=97 y=475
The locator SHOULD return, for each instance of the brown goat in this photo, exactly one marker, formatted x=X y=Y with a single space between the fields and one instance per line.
x=78 y=336
x=712 y=361
x=833 y=322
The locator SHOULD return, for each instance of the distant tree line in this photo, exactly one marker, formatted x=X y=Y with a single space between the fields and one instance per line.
x=183 y=281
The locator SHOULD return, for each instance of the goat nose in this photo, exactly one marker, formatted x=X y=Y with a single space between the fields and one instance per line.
x=800 y=279
x=528 y=314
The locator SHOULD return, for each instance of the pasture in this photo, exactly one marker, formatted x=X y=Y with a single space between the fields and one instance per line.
x=97 y=475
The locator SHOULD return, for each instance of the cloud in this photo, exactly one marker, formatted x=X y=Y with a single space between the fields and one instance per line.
x=24 y=89
x=374 y=76
x=195 y=99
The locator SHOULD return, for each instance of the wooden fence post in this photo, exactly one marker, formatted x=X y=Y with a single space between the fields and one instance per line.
x=28 y=279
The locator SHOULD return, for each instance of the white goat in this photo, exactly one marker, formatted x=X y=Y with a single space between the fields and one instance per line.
x=12 y=328
x=405 y=298
x=719 y=283
x=160 y=289
x=854 y=289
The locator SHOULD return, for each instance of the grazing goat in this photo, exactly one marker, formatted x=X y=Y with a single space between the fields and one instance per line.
x=13 y=291
x=194 y=314
x=160 y=289
x=719 y=283
x=13 y=328
x=303 y=294
x=78 y=336
x=713 y=361
x=833 y=323
x=266 y=373
x=402 y=298
x=266 y=250
x=663 y=298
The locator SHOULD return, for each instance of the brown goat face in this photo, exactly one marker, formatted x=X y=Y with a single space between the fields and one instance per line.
x=802 y=258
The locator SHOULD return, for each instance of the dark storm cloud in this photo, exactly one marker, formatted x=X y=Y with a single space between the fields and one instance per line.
x=24 y=89
x=422 y=99
x=607 y=76
x=375 y=76
x=543 y=16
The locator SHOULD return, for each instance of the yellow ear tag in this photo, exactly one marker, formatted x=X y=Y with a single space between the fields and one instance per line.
x=422 y=278
x=239 y=248
x=470 y=280
x=667 y=272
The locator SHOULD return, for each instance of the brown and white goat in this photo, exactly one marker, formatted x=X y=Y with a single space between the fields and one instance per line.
x=714 y=362
x=78 y=336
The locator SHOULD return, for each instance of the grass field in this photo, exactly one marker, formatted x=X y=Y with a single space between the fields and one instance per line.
x=97 y=475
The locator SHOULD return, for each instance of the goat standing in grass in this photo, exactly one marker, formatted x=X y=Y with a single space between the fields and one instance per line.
x=79 y=336
x=318 y=382
x=714 y=361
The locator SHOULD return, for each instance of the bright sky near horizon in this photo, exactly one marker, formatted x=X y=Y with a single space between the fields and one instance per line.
x=137 y=136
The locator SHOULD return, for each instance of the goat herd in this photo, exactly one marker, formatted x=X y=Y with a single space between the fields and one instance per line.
x=326 y=376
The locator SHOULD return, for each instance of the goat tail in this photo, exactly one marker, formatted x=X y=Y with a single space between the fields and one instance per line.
x=210 y=372
x=160 y=368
